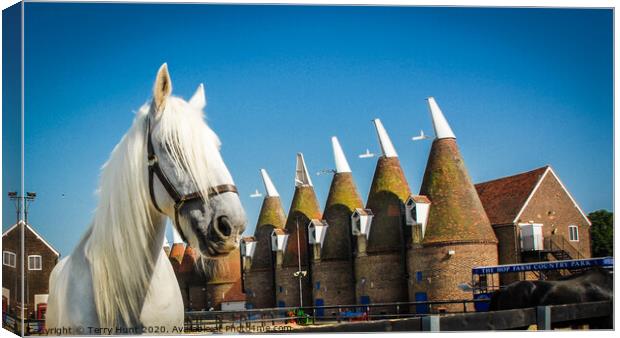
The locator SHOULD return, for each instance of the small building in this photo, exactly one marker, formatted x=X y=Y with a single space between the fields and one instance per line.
x=40 y=257
x=535 y=218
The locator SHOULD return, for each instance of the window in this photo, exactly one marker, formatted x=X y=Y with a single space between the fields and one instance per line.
x=8 y=258
x=34 y=262
x=573 y=233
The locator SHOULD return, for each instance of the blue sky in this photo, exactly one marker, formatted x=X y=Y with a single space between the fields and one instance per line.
x=521 y=88
x=11 y=110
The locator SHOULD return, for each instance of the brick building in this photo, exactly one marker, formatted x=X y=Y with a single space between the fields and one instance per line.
x=39 y=261
x=333 y=279
x=458 y=235
x=258 y=257
x=405 y=247
x=535 y=218
x=292 y=243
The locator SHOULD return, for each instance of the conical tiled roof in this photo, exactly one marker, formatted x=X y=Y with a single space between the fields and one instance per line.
x=304 y=208
x=271 y=217
x=342 y=200
x=188 y=263
x=388 y=192
x=176 y=254
x=271 y=213
x=456 y=215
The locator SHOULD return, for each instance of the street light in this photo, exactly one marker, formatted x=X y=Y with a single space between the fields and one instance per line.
x=299 y=273
x=22 y=201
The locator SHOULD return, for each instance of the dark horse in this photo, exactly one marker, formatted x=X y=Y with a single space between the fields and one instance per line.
x=589 y=286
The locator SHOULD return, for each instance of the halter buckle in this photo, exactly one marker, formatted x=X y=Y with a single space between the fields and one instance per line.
x=152 y=160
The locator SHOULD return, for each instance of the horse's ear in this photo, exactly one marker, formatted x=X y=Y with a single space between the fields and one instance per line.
x=162 y=87
x=199 y=100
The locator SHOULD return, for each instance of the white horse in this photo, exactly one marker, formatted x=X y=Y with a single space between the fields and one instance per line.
x=118 y=279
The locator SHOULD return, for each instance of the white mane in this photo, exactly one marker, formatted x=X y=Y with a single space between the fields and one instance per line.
x=120 y=246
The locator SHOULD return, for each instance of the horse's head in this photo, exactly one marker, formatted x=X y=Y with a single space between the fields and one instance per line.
x=188 y=180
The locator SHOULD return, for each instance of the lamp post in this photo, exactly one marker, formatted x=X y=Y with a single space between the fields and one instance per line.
x=299 y=273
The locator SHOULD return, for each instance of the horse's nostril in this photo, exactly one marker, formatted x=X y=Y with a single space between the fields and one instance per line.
x=223 y=226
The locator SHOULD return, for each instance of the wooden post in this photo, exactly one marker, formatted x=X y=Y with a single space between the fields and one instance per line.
x=431 y=323
x=543 y=318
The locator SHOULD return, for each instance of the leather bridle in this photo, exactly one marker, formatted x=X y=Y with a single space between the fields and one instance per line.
x=179 y=198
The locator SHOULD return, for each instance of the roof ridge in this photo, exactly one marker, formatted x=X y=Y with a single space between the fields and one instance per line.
x=545 y=167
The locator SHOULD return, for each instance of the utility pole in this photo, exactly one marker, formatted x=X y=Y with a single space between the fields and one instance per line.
x=19 y=202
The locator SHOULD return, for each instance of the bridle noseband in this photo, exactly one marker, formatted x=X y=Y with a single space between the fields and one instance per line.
x=179 y=198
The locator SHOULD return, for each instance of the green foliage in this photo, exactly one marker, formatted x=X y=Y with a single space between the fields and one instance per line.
x=602 y=233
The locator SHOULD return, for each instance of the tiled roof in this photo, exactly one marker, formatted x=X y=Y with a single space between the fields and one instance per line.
x=420 y=199
x=176 y=253
x=279 y=231
x=189 y=260
x=363 y=212
x=388 y=192
x=504 y=197
x=304 y=207
x=456 y=215
x=271 y=217
x=271 y=213
x=342 y=200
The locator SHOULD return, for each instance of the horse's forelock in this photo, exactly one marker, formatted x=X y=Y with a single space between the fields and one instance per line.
x=192 y=142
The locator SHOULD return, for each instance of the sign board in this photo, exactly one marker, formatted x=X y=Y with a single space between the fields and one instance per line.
x=554 y=265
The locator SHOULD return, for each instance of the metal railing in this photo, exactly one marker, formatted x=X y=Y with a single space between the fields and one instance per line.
x=254 y=319
x=31 y=326
x=555 y=243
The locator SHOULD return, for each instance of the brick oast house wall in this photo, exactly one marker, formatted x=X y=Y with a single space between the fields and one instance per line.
x=36 y=283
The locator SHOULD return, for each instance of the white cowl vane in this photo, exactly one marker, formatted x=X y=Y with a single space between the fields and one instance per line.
x=442 y=128
x=269 y=187
x=301 y=172
x=342 y=165
x=384 y=140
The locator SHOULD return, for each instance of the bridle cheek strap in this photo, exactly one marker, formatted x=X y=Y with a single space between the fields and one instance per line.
x=179 y=199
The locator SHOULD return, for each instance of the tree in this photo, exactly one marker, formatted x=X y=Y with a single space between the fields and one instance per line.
x=602 y=233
